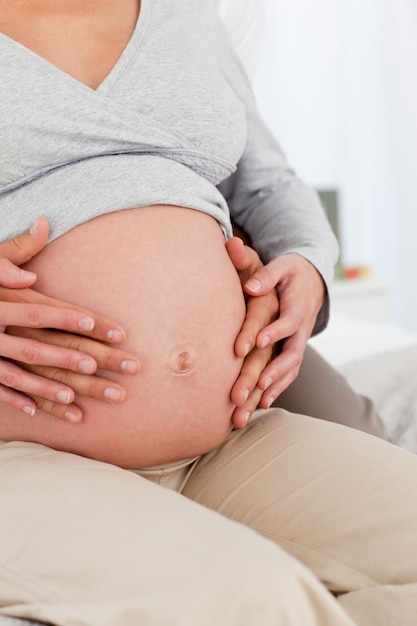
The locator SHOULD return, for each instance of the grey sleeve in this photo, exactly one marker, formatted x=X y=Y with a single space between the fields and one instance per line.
x=279 y=212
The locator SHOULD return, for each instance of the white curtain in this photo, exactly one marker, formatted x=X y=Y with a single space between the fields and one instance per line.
x=337 y=83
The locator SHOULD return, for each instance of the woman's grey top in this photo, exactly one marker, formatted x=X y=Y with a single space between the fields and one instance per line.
x=173 y=123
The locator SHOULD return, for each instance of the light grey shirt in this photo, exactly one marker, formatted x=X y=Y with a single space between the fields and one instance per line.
x=173 y=123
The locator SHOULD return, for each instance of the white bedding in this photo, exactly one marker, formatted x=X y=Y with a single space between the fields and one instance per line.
x=380 y=361
x=347 y=339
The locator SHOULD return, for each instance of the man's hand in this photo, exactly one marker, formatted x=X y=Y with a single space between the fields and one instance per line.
x=301 y=292
x=25 y=349
x=285 y=321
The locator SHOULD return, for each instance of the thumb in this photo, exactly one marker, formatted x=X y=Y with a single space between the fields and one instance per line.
x=264 y=279
x=13 y=277
x=237 y=253
x=26 y=245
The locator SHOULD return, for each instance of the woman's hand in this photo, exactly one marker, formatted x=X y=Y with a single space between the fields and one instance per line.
x=245 y=393
x=39 y=367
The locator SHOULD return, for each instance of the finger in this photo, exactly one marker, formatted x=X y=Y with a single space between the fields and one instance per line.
x=281 y=371
x=285 y=326
x=24 y=246
x=83 y=385
x=103 y=328
x=238 y=253
x=296 y=318
x=241 y=415
x=17 y=378
x=265 y=278
x=292 y=316
x=44 y=316
x=107 y=357
x=69 y=413
x=245 y=259
x=260 y=312
x=248 y=378
x=17 y=400
x=36 y=353
x=273 y=392
x=13 y=276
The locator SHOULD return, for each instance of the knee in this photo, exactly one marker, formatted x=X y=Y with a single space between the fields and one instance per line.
x=273 y=589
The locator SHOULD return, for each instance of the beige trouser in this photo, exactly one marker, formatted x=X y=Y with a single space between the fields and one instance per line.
x=85 y=543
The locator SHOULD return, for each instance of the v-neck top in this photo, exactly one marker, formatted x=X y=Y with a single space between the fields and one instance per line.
x=173 y=123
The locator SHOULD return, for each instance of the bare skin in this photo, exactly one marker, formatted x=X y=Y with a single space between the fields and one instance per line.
x=30 y=311
x=83 y=39
x=47 y=366
x=56 y=32
x=182 y=314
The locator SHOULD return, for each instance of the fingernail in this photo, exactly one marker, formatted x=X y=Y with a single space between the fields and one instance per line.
x=265 y=341
x=26 y=275
x=267 y=383
x=29 y=410
x=35 y=226
x=246 y=349
x=86 y=323
x=64 y=396
x=253 y=284
x=129 y=366
x=115 y=335
x=86 y=366
x=72 y=417
x=269 y=402
x=246 y=417
x=112 y=394
x=245 y=395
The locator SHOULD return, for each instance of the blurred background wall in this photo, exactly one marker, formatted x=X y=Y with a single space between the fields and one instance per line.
x=336 y=81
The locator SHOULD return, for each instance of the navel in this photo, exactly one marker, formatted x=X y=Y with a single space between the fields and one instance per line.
x=182 y=359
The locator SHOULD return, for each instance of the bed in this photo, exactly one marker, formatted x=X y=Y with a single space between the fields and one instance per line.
x=380 y=361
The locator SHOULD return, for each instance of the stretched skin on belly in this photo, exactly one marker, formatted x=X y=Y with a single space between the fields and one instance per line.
x=164 y=273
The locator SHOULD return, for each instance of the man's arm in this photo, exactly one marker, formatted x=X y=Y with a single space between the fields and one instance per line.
x=288 y=228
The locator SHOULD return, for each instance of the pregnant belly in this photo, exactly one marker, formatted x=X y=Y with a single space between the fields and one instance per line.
x=164 y=274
